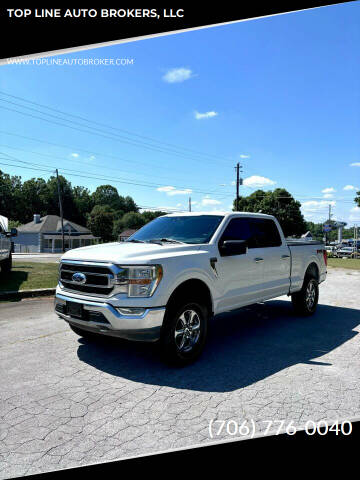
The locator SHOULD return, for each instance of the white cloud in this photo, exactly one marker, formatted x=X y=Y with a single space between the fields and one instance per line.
x=200 y=116
x=355 y=164
x=92 y=157
x=315 y=206
x=75 y=155
x=256 y=181
x=355 y=215
x=244 y=156
x=177 y=75
x=350 y=187
x=328 y=195
x=169 y=190
x=209 y=201
x=328 y=190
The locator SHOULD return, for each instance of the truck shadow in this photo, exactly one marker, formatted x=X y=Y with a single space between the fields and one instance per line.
x=13 y=281
x=243 y=347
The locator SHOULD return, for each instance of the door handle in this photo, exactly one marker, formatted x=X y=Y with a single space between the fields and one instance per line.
x=258 y=259
x=285 y=256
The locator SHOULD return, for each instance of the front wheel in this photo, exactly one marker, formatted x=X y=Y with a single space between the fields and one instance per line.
x=184 y=332
x=305 y=301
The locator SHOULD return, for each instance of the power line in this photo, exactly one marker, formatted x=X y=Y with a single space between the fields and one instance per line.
x=178 y=147
x=78 y=173
x=113 y=168
x=96 y=131
x=79 y=149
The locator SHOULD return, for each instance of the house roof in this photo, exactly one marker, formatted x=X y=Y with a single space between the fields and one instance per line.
x=50 y=223
x=128 y=232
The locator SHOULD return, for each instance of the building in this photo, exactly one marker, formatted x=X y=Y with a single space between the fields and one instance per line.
x=44 y=234
x=126 y=234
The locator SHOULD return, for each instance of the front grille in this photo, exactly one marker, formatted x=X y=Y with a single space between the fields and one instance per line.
x=97 y=279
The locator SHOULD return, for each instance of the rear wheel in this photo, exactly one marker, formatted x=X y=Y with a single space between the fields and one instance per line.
x=305 y=301
x=184 y=332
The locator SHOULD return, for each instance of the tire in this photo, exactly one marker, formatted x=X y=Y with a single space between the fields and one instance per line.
x=191 y=318
x=305 y=301
x=6 y=265
x=83 y=333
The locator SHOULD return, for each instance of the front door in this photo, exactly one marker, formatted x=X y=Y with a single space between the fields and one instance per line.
x=241 y=276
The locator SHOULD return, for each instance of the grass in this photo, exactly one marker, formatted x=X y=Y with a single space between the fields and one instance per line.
x=30 y=275
x=353 y=263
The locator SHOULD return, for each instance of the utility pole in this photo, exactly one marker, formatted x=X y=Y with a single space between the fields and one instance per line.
x=61 y=211
x=238 y=183
x=189 y=204
x=326 y=233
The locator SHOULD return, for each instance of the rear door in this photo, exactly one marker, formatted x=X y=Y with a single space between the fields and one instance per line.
x=276 y=254
x=241 y=276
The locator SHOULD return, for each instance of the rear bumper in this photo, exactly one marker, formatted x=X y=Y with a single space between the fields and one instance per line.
x=104 y=319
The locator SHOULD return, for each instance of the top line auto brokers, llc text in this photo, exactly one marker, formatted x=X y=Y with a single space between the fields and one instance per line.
x=92 y=13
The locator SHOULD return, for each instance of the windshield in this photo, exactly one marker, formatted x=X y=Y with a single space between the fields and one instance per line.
x=186 y=229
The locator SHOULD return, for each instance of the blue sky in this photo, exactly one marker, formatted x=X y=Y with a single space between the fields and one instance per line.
x=279 y=94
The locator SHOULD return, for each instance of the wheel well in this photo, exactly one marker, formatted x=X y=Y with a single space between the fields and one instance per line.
x=196 y=289
x=313 y=270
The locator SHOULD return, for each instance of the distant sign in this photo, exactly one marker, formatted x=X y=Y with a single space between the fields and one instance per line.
x=339 y=224
x=327 y=227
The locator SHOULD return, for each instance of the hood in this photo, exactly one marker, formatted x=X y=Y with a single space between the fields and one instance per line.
x=131 y=253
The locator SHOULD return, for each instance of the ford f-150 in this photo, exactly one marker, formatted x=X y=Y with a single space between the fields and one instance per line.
x=166 y=281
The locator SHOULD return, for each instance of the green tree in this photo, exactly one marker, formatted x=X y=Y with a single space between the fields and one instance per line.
x=129 y=204
x=11 y=200
x=107 y=195
x=100 y=222
x=35 y=194
x=279 y=203
x=83 y=202
x=357 y=199
x=51 y=197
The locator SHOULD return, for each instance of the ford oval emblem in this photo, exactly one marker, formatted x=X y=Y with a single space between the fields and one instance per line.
x=79 y=277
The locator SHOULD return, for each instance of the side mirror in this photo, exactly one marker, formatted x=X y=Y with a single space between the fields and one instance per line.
x=233 y=247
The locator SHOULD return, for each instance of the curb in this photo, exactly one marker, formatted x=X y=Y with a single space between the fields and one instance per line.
x=19 y=294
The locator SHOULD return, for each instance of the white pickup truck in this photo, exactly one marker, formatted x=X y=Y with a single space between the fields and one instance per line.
x=5 y=245
x=166 y=281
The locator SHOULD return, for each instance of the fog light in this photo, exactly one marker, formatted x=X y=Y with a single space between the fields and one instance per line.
x=130 y=310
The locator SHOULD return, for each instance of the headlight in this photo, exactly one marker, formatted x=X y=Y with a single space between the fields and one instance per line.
x=138 y=281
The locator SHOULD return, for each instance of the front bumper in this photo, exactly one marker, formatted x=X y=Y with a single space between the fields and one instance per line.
x=104 y=319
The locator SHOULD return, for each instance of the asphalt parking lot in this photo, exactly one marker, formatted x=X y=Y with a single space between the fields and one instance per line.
x=68 y=402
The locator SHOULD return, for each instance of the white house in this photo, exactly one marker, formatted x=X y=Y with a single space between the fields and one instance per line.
x=44 y=234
